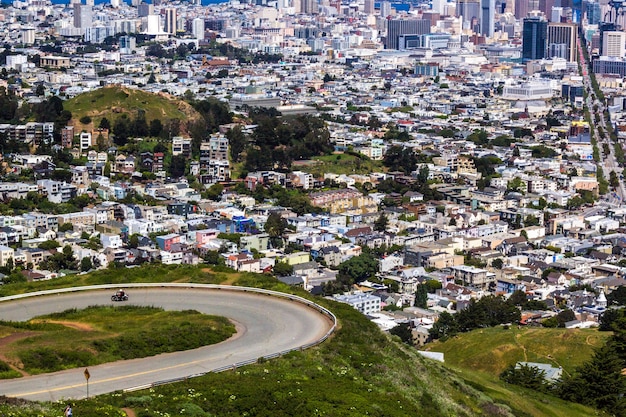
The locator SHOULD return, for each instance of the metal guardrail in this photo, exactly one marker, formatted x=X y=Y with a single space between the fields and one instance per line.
x=234 y=366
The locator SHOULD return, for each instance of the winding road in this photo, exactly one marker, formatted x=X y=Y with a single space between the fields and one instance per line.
x=267 y=325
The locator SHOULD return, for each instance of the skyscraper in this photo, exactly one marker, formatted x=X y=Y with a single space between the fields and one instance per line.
x=397 y=27
x=487 y=17
x=534 y=36
x=368 y=7
x=385 y=8
x=170 y=20
x=468 y=10
x=83 y=15
x=198 y=28
x=562 y=41
x=521 y=9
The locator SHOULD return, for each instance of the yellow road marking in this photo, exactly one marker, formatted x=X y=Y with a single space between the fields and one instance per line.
x=107 y=380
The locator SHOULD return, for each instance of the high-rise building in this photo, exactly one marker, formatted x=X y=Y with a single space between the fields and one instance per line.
x=521 y=9
x=170 y=20
x=557 y=13
x=385 y=8
x=487 y=17
x=145 y=9
x=368 y=7
x=28 y=35
x=594 y=14
x=309 y=6
x=468 y=10
x=83 y=15
x=397 y=27
x=197 y=28
x=534 y=37
x=545 y=6
x=562 y=40
x=614 y=44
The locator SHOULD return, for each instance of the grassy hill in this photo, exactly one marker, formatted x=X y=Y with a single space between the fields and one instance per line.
x=359 y=371
x=113 y=101
x=481 y=355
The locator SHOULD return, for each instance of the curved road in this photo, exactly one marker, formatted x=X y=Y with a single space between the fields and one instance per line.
x=265 y=324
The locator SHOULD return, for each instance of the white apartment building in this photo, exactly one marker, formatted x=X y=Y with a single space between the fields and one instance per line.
x=365 y=303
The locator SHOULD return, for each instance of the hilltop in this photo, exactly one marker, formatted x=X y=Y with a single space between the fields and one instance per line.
x=114 y=101
x=359 y=371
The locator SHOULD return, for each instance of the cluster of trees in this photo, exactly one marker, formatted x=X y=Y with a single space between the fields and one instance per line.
x=214 y=113
x=126 y=127
x=36 y=201
x=489 y=311
x=277 y=142
x=481 y=138
x=242 y=55
x=63 y=259
x=420 y=185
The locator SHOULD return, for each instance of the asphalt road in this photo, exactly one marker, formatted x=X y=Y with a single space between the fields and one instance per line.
x=265 y=325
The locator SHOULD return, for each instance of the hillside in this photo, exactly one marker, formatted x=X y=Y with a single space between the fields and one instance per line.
x=481 y=355
x=359 y=371
x=113 y=101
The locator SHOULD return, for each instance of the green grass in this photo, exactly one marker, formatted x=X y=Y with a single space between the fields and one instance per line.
x=148 y=273
x=106 y=334
x=481 y=355
x=359 y=371
x=113 y=101
x=492 y=350
x=341 y=164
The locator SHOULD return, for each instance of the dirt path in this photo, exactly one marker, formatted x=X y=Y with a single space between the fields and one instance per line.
x=7 y=340
x=71 y=324
x=129 y=412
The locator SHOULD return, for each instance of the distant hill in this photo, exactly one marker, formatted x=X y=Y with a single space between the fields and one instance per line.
x=113 y=101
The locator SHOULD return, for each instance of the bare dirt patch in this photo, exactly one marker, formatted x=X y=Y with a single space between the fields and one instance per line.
x=6 y=341
x=83 y=327
x=129 y=412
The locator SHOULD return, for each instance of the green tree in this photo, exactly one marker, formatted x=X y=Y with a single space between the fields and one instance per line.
x=421 y=296
x=444 y=327
x=237 y=143
x=133 y=241
x=177 y=166
x=104 y=123
x=403 y=331
x=598 y=383
x=282 y=269
x=49 y=244
x=86 y=264
x=357 y=269
x=380 y=225
x=525 y=376
x=617 y=296
x=275 y=227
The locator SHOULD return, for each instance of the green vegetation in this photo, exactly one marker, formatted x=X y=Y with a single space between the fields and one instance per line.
x=277 y=142
x=346 y=164
x=114 y=101
x=106 y=334
x=489 y=311
x=359 y=371
x=491 y=350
